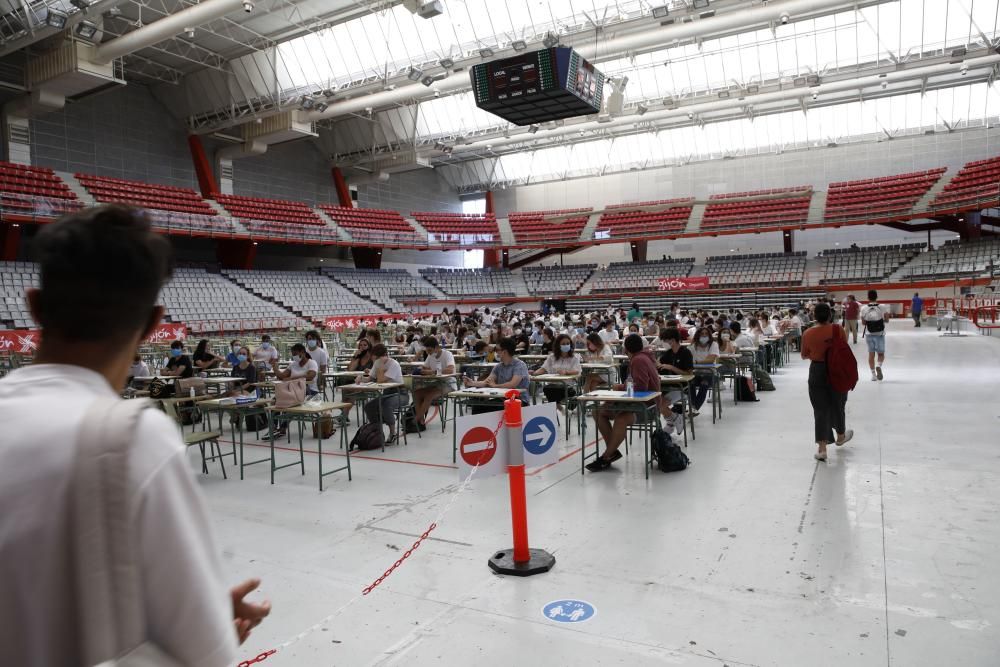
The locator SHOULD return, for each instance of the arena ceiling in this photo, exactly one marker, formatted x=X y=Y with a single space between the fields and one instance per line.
x=701 y=79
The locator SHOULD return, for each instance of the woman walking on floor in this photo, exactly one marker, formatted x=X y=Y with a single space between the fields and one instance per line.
x=828 y=405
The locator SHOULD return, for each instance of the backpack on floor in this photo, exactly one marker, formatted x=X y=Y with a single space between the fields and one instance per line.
x=744 y=389
x=763 y=380
x=667 y=456
x=368 y=437
x=841 y=365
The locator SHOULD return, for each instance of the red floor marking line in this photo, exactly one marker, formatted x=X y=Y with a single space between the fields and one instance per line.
x=353 y=456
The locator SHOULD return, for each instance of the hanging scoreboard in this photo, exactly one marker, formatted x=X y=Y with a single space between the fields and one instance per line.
x=538 y=87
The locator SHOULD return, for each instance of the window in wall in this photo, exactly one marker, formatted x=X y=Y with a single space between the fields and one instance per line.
x=473 y=259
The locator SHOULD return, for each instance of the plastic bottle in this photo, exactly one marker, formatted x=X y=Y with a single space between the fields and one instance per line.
x=629 y=388
x=191 y=393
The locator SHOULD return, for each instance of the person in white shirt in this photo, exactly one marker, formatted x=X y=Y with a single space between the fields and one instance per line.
x=597 y=352
x=386 y=369
x=317 y=350
x=562 y=361
x=704 y=351
x=609 y=334
x=92 y=321
x=741 y=339
x=438 y=362
x=139 y=368
x=874 y=317
x=303 y=366
x=266 y=353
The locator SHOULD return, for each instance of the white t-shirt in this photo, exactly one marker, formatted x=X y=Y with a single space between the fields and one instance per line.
x=744 y=341
x=562 y=365
x=188 y=609
x=393 y=371
x=874 y=312
x=139 y=369
x=701 y=353
x=796 y=323
x=608 y=336
x=260 y=354
x=298 y=371
x=320 y=356
x=434 y=363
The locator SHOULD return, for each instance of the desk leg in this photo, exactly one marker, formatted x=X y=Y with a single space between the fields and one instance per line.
x=346 y=447
x=270 y=429
x=319 y=449
x=302 y=454
x=454 y=435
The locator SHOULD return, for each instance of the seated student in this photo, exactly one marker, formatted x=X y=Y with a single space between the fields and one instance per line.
x=302 y=366
x=234 y=350
x=609 y=334
x=597 y=352
x=675 y=360
x=361 y=363
x=245 y=370
x=138 y=369
x=741 y=340
x=509 y=373
x=563 y=361
x=522 y=343
x=756 y=332
x=705 y=351
x=266 y=353
x=537 y=334
x=203 y=358
x=386 y=369
x=317 y=350
x=548 y=337
x=725 y=339
x=415 y=346
x=438 y=362
x=179 y=365
x=613 y=424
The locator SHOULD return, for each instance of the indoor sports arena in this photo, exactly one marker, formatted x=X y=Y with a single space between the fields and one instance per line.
x=445 y=332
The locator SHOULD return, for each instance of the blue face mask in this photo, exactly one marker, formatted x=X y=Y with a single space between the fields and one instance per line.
x=565 y=348
x=241 y=358
x=311 y=343
x=266 y=346
x=176 y=352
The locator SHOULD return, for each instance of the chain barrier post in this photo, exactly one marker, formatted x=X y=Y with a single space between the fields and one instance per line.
x=520 y=561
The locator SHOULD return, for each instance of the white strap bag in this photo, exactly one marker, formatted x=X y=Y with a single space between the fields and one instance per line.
x=110 y=607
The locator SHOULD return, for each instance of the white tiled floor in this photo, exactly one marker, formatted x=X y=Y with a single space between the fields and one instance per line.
x=753 y=556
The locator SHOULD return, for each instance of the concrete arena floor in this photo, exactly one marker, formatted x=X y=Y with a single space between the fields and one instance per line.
x=755 y=555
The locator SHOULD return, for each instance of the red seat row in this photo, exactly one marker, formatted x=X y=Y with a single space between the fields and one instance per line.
x=975 y=186
x=273 y=210
x=33 y=181
x=556 y=225
x=885 y=195
x=794 y=209
x=629 y=220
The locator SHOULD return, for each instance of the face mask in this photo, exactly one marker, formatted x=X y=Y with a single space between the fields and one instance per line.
x=311 y=343
x=725 y=336
x=565 y=348
x=266 y=346
x=236 y=348
x=241 y=358
x=517 y=331
x=176 y=352
x=703 y=340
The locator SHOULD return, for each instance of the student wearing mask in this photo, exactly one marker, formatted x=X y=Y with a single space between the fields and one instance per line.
x=317 y=350
x=138 y=369
x=303 y=366
x=266 y=353
x=726 y=342
x=597 y=352
x=509 y=373
x=741 y=341
x=634 y=314
x=179 y=365
x=538 y=333
x=828 y=405
x=609 y=334
x=360 y=363
x=386 y=369
x=548 y=338
x=438 y=362
x=675 y=360
x=234 y=350
x=522 y=343
x=612 y=424
x=704 y=351
x=203 y=358
x=562 y=361
x=92 y=320
x=243 y=369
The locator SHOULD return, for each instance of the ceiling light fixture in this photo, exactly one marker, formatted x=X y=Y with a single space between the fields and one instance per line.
x=641 y=109
x=86 y=29
x=322 y=106
x=56 y=19
x=660 y=12
x=723 y=94
x=532 y=129
x=700 y=4
x=307 y=102
x=519 y=45
x=446 y=63
x=485 y=52
x=189 y=33
x=753 y=89
x=414 y=74
x=82 y=5
x=550 y=40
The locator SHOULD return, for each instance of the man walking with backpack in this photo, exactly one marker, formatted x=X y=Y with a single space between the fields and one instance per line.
x=874 y=316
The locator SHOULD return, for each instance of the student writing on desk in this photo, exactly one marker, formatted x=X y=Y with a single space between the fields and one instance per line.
x=438 y=362
x=179 y=365
x=561 y=362
x=510 y=373
x=704 y=351
x=675 y=360
x=613 y=424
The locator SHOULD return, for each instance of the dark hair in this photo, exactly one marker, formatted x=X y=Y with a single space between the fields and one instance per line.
x=315 y=334
x=872 y=295
x=480 y=345
x=176 y=344
x=822 y=313
x=509 y=345
x=734 y=327
x=199 y=352
x=101 y=274
x=670 y=333
x=265 y=339
x=633 y=343
x=235 y=341
x=429 y=342
x=547 y=331
x=379 y=350
x=374 y=334
x=596 y=340
x=299 y=348
x=557 y=350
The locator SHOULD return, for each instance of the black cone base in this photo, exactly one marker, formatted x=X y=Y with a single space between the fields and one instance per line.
x=502 y=562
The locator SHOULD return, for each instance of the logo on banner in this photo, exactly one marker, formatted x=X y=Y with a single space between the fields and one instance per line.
x=24 y=342
x=167 y=332
x=674 y=284
x=478 y=446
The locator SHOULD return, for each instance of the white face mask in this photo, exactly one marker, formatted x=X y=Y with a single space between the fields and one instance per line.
x=703 y=340
x=725 y=336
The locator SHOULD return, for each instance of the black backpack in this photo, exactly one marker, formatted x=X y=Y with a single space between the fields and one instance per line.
x=744 y=389
x=667 y=456
x=368 y=437
x=875 y=326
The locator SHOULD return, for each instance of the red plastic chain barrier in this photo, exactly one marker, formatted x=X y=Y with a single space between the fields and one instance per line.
x=261 y=657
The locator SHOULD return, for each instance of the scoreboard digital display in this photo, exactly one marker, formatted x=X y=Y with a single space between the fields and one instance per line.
x=538 y=87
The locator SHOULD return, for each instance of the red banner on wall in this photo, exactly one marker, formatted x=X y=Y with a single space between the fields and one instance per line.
x=168 y=333
x=22 y=341
x=358 y=321
x=677 y=284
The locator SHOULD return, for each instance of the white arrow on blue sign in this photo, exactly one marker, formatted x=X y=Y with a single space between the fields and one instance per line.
x=540 y=434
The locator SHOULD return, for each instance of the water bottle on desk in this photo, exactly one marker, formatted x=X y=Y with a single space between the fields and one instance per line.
x=629 y=388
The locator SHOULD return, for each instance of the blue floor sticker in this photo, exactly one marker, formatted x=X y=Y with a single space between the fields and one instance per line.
x=569 y=611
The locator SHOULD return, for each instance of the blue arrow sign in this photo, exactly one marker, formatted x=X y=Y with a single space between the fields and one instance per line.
x=568 y=611
x=539 y=435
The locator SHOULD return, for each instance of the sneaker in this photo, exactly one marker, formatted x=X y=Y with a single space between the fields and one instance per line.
x=679 y=427
x=878 y=372
x=694 y=413
x=614 y=457
x=848 y=434
x=874 y=377
x=598 y=465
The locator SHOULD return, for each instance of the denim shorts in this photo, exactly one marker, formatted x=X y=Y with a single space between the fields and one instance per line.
x=876 y=344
